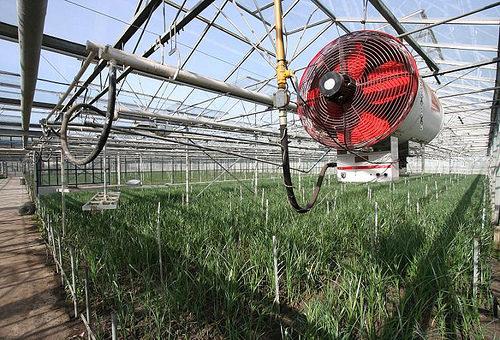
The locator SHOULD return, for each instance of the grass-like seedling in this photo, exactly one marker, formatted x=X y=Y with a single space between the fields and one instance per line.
x=338 y=278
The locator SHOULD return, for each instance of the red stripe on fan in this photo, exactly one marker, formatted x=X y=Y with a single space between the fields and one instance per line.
x=364 y=167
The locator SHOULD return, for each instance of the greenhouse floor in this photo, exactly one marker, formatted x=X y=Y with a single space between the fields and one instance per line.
x=31 y=302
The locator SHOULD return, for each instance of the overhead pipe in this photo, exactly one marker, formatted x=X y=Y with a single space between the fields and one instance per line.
x=197 y=122
x=31 y=20
x=173 y=73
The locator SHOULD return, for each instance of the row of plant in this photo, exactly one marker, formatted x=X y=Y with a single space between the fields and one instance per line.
x=342 y=272
x=75 y=177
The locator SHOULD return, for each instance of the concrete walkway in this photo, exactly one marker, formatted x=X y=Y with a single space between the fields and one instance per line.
x=31 y=300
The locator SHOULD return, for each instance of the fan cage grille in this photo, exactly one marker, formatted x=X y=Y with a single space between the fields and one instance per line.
x=386 y=77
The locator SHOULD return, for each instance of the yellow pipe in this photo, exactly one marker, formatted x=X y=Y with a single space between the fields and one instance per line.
x=281 y=66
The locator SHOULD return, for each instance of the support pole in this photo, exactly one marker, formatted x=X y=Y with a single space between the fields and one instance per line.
x=63 y=200
x=188 y=170
x=104 y=173
x=118 y=170
x=394 y=158
x=256 y=178
x=141 y=177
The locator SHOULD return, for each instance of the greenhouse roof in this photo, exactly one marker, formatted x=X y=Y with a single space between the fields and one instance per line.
x=233 y=41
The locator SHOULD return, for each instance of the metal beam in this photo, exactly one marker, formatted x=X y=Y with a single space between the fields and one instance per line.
x=220 y=28
x=178 y=26
x=451 y=19
x=495 y=111
x=463 y=47
x=393 y=21
x=17 y=102
x=432 y=21
x=49 y=43
x=465 y=67
x=136 y=24
x=330 y=15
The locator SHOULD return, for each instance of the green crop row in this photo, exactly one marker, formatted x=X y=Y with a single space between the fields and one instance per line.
x=339 y=275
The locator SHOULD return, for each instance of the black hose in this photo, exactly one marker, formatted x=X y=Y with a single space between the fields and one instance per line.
x=287 y=177
x=68 y=116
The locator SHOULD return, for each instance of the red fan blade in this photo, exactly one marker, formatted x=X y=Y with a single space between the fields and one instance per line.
x=369 y=126
x=355 y=62
x=387 y=82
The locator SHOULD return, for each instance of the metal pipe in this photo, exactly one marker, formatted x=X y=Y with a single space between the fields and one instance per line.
x=450 y=19
x=394 y=22
x=198 y=122
x=172 y=73
x=177 y=27
x=465 y=67
x=71 y=86
x=329 y=13
x=136 y=24
x=31 y=18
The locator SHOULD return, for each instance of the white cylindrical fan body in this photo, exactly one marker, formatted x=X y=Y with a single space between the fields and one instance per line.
x=425 y=119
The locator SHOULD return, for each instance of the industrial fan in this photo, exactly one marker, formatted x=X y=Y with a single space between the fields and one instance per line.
x=358 y=91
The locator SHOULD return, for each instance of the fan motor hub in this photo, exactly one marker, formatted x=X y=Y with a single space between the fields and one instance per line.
x=337 y=87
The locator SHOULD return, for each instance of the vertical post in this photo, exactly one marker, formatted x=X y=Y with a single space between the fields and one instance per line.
x=36 y=165
x=53 y=245
x=60 y=258
x=256 y=178
x=158 y=237
x=475 y=278
x=188 y=170
x=267 y=211
x=422 y=155
x=104 y=174
x=199 y=171
x=87 y=305
x=118 y=170
x=394 y=158
x=376 y=221
x=113 y=326
x=300 y=174
x=63 y=201
x=172 y=167
x=141 y=177
x=276 y=276
x=73 y=281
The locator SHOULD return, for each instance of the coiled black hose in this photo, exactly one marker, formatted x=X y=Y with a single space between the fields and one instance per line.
x=74 y=111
